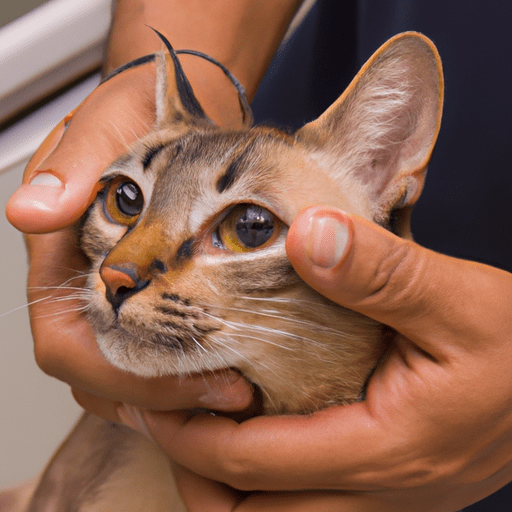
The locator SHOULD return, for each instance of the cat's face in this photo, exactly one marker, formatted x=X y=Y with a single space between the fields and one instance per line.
x=189 y=270
x=201 y=219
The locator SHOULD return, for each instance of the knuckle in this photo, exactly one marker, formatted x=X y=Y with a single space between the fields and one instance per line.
x=44 y=358
x=394 y=278
x=47 y=357
x=239 y=468
x=424 y=472
x=238 y=473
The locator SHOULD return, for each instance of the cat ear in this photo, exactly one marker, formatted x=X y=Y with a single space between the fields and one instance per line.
x=383 y=128
x=175 y=100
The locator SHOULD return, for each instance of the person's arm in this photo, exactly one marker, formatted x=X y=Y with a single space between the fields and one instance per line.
x=434 y=432
x=60 y=182
x=243 y=35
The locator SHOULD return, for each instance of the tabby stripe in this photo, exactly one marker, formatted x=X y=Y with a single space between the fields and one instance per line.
x=186 y=249
x=150 y=155
x=233 y=171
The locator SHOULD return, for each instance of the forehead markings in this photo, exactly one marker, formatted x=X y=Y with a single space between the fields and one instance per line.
x=151 y=153
x=207 y=202
x=226 y=180
x=234 y=170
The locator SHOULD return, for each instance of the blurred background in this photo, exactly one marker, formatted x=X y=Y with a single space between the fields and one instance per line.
x=14 y=10
x=49 y=60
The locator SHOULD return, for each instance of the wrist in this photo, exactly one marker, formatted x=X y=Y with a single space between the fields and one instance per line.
x=242 y=35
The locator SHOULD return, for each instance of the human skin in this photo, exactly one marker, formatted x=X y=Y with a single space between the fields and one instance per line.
x=68 y=165
x=435 y=430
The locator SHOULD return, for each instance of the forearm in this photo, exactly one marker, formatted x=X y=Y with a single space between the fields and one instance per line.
x=242 y=34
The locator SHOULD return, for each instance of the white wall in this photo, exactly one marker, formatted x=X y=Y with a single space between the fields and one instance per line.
x=9 y=11
x=36 y=411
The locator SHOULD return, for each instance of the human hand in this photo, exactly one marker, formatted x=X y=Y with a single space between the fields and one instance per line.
x=59 y=184
x=116 y=114
x=435 y=430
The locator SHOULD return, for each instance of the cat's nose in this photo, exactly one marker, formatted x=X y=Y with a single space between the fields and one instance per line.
x=121 y=283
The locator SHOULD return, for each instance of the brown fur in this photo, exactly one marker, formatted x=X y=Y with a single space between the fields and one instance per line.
x=190 y=305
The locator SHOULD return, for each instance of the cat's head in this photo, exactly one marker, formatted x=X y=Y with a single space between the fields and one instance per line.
x=186 y=239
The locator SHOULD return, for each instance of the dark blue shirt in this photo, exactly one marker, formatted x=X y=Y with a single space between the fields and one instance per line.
x=464 y=208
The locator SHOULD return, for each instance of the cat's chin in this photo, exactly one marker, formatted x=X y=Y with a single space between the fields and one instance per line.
x=155 y=357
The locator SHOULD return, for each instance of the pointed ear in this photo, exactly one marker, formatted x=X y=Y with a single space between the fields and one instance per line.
x=382 y=130
x=175 y=100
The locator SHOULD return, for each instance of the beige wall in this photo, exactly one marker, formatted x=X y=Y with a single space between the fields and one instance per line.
x=12 y=10
x=36 y=411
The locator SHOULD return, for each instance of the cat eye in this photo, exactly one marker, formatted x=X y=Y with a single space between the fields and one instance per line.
x=247 y=227
x=124 y=201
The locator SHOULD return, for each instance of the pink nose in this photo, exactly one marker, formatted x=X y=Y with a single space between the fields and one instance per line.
x=117 y=278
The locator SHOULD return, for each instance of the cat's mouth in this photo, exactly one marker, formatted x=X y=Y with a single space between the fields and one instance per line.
x=169 y=334
x=153 y=353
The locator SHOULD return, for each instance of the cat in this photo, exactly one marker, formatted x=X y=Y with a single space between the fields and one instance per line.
x=188 y=265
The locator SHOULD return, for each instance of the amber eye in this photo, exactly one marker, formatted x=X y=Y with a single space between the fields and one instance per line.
x=246 y=228
x=124 y=201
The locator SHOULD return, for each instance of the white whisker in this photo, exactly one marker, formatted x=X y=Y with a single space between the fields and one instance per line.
x=264 y=340
x=63 y=312
x=199 y=345
x=25 y=306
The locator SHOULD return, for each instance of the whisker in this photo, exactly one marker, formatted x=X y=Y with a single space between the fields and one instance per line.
x=288 y=319
x=63 y=312
x=60 y=287
x=283 y=334
x=225 y=345
x=264 y=340
x=63 y=285
x=285 y=300
x=199 y=345
x=121 y=136
x=24 y=306
x=68 y=298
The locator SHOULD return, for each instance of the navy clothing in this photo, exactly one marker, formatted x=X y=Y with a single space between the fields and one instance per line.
x=463 y=210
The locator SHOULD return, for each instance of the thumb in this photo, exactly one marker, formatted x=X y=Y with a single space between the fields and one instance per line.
x=434 y=300
x=61 y=179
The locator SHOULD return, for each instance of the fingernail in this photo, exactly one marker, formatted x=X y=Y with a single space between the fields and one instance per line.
x=46 y=179
x=132 y=417
x=327 y=240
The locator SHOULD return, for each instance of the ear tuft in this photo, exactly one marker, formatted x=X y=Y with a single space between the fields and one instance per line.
x=175 y=99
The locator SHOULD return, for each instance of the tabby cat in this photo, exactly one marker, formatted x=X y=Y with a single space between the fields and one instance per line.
x=189 y=270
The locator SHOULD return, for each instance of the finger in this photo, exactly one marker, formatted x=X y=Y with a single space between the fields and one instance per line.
x=99 y=406
x=313 y=501
x=392 y=440
x=395 y=281
x=65 y=346
x=60 y=180
x=282 y=452
x=200 y=494
x=225 y=391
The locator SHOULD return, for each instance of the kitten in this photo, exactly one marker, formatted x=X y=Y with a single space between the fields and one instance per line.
x=188 y=265
x=186 y=240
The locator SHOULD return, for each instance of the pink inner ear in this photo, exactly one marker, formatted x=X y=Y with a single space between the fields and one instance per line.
x=382 y=130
